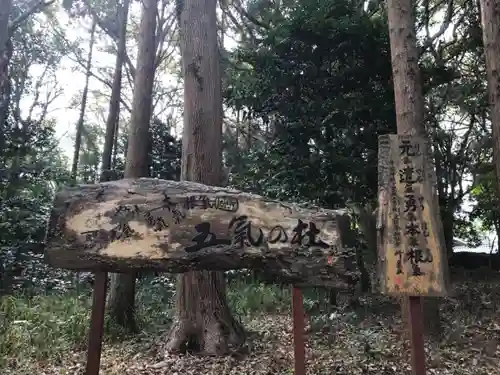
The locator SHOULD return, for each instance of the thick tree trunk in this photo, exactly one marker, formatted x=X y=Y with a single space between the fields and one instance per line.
x=490 y=19
x=121 y=301
x=409 y=102
x=114 y=102
x=83 y=105
x=204 y=322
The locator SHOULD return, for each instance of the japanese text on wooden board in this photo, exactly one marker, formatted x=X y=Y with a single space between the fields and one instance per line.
x=412 y=247
x=241 y=232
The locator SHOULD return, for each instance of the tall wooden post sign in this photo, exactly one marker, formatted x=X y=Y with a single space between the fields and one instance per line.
x=412 y=258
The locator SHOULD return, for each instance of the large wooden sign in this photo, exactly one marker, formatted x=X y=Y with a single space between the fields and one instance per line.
x=179 y=226
x=412 y=257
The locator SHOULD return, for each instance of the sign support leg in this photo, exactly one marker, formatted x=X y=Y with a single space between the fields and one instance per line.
x=416 y=325
x=96 y=324
x=299 y=350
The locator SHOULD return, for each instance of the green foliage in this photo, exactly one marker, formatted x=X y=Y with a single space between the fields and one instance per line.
x=454 y=80
x=53 y=325
x=26 y=192
x=485 y=195
x=90 y=154
x=40 y=327
x=156 y=297
x=311 y=84
x=465 y=229
x=31 y=164
x=165 y=151
x=164 y=155
x=247 y=298
x=321 y=80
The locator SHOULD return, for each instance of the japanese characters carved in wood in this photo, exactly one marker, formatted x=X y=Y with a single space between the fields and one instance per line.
x=412 y=258
x=180 y=226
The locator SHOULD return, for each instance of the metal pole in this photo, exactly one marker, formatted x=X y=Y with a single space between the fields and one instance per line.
x=299 y=350
x=416 y=326
x=96 y=324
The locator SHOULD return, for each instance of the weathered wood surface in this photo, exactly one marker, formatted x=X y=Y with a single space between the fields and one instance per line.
x=412 y=254
x=173 y=226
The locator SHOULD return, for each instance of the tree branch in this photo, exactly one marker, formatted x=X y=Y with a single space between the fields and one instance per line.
x=444 y=26
x=36 y=7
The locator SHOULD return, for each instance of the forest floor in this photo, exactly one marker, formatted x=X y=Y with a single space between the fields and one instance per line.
x=343 y=341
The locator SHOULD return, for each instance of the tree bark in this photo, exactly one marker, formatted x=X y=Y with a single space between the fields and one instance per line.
x=490 y=20
x=121 y=301
x=114 y=102
x=83 y=105
x=448 y=220
x=5 y=55
x=409 y=101
x=203 y=321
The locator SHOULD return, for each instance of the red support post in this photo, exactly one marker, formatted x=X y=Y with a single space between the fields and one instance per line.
x=299 y=349
x=96 y=324
x=416 y=326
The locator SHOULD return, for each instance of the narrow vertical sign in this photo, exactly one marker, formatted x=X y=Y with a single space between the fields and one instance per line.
x=412 y=254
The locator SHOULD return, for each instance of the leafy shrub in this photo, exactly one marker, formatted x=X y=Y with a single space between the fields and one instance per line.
x=246 y=298
x=41 y=327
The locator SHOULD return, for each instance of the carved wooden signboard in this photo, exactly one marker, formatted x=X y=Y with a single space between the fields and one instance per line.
x=412 y=258
x=179 y=226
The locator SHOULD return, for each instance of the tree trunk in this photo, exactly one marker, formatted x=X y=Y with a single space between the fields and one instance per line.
x=448 y=220
x=80 y=123
x=490 y=20
x=409 y=102
x=497 y=233
x=114 y=102
x=121 y=301
x=203 y=323
x=5 y=93
x=5 y=54
x=81 y=117
x=203 y=320
x=367 y=227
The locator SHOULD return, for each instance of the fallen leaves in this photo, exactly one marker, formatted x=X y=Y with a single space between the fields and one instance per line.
x=367 y=341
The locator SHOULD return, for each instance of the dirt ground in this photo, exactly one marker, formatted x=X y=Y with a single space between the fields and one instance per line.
x=370 y=340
